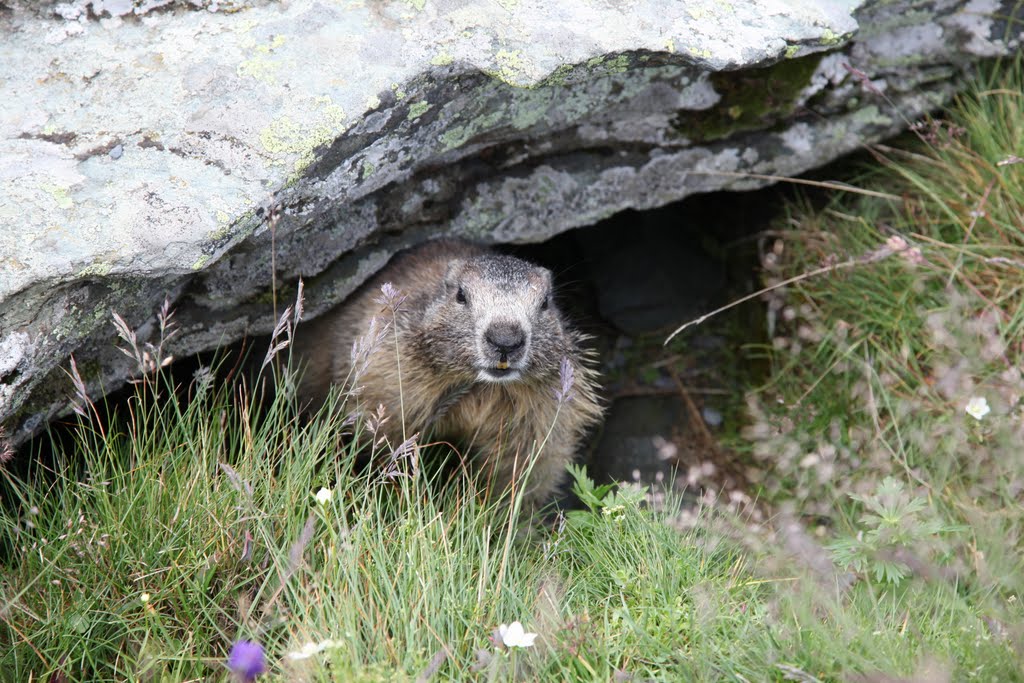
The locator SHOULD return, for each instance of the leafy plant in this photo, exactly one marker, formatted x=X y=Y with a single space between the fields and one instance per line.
x=894 y=523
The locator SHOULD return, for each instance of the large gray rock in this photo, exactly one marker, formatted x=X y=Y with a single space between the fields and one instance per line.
x=140 y=150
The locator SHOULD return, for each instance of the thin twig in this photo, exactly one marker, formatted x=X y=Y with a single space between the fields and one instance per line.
x=842 y=187
x=754 y=295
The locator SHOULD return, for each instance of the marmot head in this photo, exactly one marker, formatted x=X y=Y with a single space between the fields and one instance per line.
x=495 y=319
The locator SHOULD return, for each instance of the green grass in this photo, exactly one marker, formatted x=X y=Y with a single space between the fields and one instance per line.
x=892 y=547
x=208 y=509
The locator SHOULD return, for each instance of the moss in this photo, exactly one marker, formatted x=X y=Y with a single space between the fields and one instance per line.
x=285 y=293
x=750 y=100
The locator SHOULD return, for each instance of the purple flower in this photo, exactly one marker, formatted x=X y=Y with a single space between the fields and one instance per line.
x=246 y=660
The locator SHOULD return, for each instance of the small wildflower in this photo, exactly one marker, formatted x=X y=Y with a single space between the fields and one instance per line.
x=896 y=243
x=311 y=649
x=913 y=256
x=246 y=660
x=513 y=635
x=977 y=407
x=144 y=598
x=616 y=512
x=323 y=496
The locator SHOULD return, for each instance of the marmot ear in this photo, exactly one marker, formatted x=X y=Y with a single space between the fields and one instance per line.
x=541 y=277
x=451 y=274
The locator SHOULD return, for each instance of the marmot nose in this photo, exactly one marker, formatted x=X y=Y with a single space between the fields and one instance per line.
x=505 y=338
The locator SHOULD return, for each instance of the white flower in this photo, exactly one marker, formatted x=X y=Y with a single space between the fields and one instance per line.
x=144 y=598
x=513 y=635
x=616 y=512
x=977 y=407
x=310 y=649
x=323 y=496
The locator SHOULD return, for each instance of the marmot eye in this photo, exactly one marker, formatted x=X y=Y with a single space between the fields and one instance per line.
x=460 y=296
x=544 y=304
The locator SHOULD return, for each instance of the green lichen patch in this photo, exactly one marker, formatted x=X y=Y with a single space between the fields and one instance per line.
x=285 y=137
x=96 y=269
x=259 y=66
x=511 y=67
x=417 y=109
x=750 y=100
x=60 y=195
x=458 y=135
x=443 y=58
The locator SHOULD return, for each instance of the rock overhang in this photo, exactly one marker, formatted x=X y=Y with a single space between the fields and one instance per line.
x=141 y=151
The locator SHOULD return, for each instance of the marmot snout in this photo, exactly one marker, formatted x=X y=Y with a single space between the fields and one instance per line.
x=480 y=349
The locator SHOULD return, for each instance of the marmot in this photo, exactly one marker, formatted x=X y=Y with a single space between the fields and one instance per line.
x=482 y=356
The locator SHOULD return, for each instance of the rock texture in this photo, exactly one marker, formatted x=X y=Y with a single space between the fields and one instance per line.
x=144 y=142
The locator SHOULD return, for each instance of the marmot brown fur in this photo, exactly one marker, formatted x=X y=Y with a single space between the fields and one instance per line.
x=482 y=351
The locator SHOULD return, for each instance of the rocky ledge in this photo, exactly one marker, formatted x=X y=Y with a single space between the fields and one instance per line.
x=144 y=144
